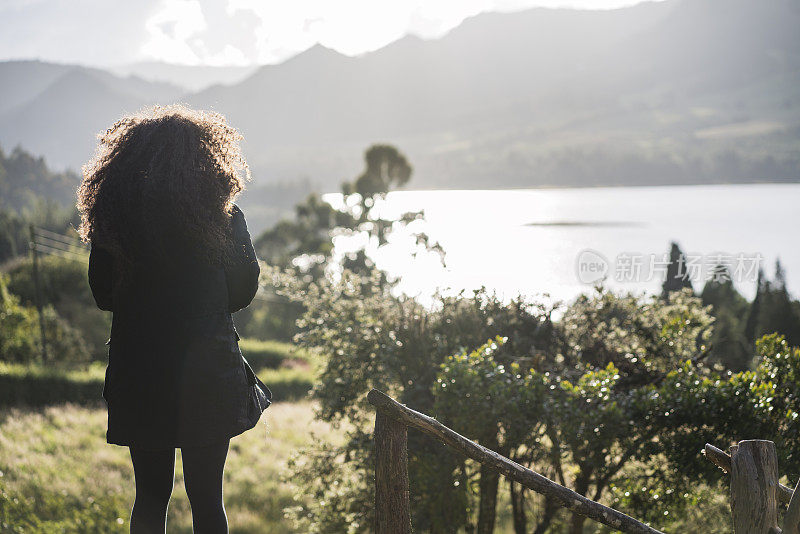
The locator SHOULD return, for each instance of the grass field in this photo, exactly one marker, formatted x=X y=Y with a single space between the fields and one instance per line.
x=58 y=475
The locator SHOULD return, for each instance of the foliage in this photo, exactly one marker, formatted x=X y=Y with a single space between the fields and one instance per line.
x=677 y=276
x=269 y=317
x=18 y=339
x=305 y=244
x=40 y=385
x=580 y=416
x=305 y=247
x=730 y=346
x=13 y=235
x=271 y=354
x=65 y=287
x=25 y=180
x=288 y=384
x=377 y=340
x=20 y=332
x=643 y=337
x=774 y=388
x=773 y=309
x=332 y=495
x=612 y=393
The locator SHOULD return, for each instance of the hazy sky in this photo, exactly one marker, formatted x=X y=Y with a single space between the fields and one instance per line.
x=229 y=32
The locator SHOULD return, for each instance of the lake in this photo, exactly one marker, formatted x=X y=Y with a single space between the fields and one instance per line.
x=559 y=241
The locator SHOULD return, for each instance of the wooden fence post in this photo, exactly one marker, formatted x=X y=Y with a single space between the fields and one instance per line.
x=754 y=483
x=392 y=510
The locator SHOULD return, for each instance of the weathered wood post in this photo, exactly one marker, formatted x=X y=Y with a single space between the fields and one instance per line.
x=391 y=477
x=392 y=510
x=754 y=485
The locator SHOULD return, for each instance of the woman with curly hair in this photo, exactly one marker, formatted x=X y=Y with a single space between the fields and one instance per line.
x=171 y=257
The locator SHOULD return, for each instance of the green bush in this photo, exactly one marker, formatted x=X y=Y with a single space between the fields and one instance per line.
x=20 y=332
x=271 y=354
x=287 y=384
x=65 y=287
x=35 y=385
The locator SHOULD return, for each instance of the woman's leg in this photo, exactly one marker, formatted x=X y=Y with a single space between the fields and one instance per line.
x=202 y=475
x=154 y=472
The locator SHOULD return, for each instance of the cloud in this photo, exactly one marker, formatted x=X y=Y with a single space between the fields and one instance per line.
x=196 y=32
x=170 y=30
x=349 y=26
x=94 y=32
x=232 y=32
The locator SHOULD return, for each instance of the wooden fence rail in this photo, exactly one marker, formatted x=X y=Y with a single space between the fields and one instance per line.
x=392 y=510
x=752 y=464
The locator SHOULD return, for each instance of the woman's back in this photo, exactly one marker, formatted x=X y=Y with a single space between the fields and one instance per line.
x=182 y=283
x=171 y=258
x=175 y=375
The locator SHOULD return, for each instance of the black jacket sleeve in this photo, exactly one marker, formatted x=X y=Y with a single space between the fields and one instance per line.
x=241 y=274
x=101 y=272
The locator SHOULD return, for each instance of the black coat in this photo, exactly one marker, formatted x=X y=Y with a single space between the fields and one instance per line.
x=175 y=374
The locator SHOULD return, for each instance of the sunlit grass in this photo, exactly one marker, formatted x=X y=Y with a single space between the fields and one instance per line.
x=59 y=474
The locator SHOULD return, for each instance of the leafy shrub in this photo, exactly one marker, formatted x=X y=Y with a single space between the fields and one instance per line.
x=20 y=332
x=65 y=287
x=271 y=354
x=34 y=385
x=287 y=384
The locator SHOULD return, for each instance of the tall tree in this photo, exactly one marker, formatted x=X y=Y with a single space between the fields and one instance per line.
x=305 y=244
x=776 y=311
x=729 y=344
x=754 y=313
x=677 y=273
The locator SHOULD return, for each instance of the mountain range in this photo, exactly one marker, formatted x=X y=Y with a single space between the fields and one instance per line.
x=671 y=92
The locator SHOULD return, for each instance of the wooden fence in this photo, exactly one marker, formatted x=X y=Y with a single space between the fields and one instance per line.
x=756 y=493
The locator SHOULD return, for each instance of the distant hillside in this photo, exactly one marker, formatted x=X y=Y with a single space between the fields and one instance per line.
x=680 y=91
x=188 y=77
x=56 y=110
x=24 y=179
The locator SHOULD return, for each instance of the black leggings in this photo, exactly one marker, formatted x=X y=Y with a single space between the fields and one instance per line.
x=202 y=476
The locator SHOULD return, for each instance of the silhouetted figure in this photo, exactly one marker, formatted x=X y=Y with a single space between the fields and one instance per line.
x=172 y=257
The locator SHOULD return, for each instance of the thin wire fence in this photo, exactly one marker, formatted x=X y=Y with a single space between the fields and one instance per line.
x=60 y=245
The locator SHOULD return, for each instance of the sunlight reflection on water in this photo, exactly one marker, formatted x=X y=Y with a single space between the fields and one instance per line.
x=528 y=241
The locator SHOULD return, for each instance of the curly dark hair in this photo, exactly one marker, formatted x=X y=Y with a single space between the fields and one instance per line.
x=163 y=178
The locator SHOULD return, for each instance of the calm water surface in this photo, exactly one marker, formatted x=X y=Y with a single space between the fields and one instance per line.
x=534 y=241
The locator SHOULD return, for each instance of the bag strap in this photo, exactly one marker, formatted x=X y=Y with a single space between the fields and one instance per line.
x=253 y=380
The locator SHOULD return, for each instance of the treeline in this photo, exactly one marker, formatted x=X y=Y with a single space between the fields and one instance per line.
x=590 y=166
x=26 y=180
x=738 y=323
x=31 y=193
